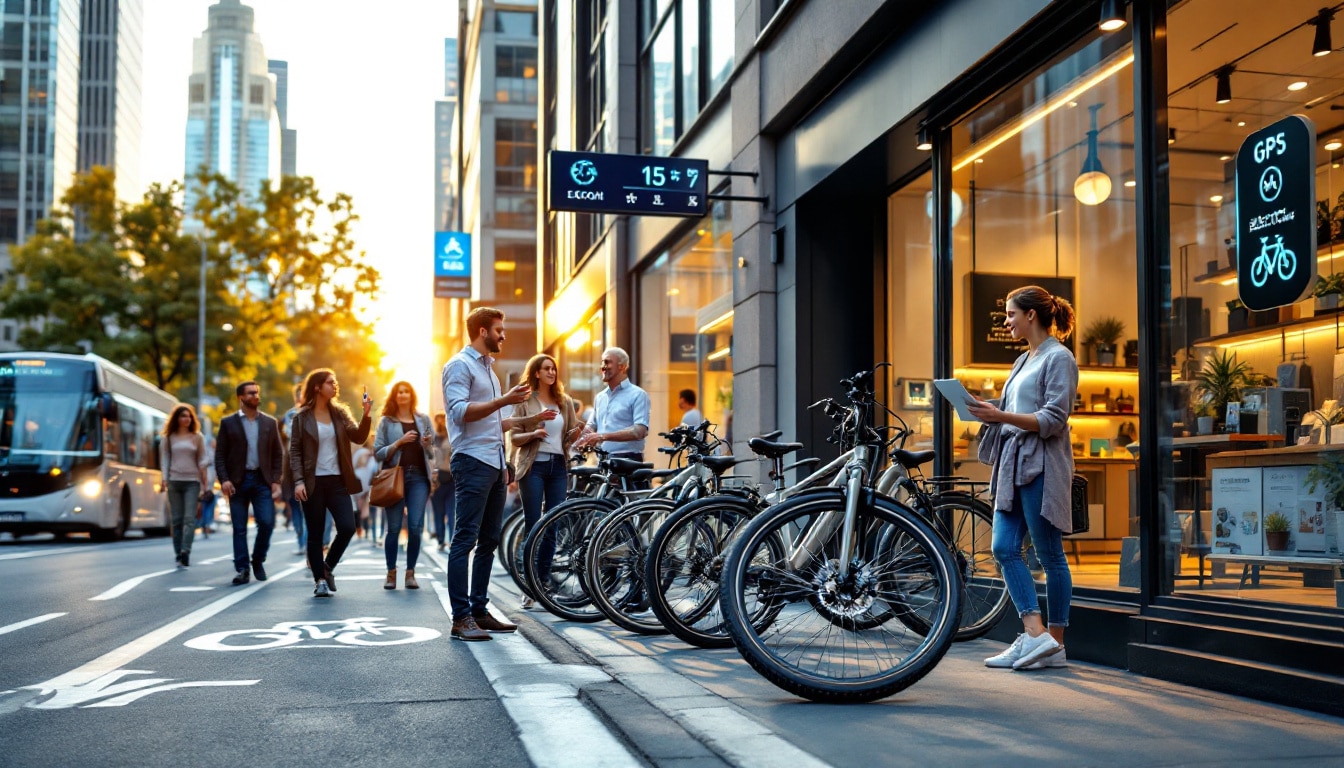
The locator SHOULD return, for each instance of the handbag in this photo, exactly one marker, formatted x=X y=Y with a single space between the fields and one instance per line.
x=388 y=487
x=1078 y=506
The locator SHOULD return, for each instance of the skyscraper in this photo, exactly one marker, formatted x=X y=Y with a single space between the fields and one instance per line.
x=109 y=90
x=232 y=124
x=289 y=137
x=444 y=110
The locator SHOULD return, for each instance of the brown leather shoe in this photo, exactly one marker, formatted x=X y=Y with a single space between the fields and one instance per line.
x=491 y=624
x=466 y=629
x=391 y=582
x=411 y=583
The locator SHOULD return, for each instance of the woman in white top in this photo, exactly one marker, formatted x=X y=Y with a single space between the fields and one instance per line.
x=182 y=458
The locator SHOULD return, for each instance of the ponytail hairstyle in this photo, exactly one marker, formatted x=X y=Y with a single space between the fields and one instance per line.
x=1054 y=312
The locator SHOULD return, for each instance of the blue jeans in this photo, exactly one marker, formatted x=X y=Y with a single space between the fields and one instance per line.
x=546 y=481
x=1010 y=530
x=254 y=491
x=183 y=496
x=480 y=490
x=445 y=507
x=208 y=511
x=413 y=506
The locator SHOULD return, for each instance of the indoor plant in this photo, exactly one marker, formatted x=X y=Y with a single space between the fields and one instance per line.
x=1276 y=531
x=1104 y=333
x=1221 y=379
x=1203 y=416
x=1328 y=289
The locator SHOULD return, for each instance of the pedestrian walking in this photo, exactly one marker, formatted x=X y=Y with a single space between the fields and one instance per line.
x=287 y=482
x=1027 y=444
x=442 y=499
x=208 y=498
x=324 y=476
x=405 y=439
x=248 y=458
x=183 y=457
x=473 y=397
x=541 y=450
x=365 y=468
x=620 y=417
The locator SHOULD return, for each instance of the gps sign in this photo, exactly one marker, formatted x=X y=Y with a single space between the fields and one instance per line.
x=1276 y=214
x=592 y=182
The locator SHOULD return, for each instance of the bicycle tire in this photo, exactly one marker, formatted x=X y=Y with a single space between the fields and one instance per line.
x=508 y=533
x=866 y=673
x=561 y=589
x=615 y=565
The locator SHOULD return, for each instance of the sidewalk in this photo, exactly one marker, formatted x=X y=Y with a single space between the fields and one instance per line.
x=962 y=713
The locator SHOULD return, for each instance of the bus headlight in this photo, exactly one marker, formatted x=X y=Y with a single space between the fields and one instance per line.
x=91 y=488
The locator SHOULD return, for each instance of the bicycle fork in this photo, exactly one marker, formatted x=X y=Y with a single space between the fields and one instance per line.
x=826 y=524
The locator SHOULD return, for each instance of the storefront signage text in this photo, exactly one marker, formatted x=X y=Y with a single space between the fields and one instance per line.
x=1276 y=214
x=594 y=182
x=452 y=265
x=990 y=340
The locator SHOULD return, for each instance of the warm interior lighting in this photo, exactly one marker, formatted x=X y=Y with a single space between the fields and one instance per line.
x=578 y=339
x=716 y=322
x=1278 y=336
x=673 y=291
x=1320 y=43
x=1112 y=16
x=1224 y=89
x=1131 y=183
x=1171 y=136
x=1092 y=186
x=1032 y=117
x=719 y=354
x=1216 y=199
x=1333 y=144
x=505 y=266
x=1297 y=85
x=1224 y=158
x=923 y=142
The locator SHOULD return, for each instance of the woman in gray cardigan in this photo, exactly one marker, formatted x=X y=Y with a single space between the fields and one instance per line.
x=1026 y=441
x=405 y=439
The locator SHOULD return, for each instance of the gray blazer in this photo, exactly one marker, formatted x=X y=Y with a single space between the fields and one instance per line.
x=389 y=432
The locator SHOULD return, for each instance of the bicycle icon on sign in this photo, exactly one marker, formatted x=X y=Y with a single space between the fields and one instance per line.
x=1273 y=257
x=366 y=631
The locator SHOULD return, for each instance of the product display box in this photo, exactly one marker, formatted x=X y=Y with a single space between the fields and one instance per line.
x=1238 y=511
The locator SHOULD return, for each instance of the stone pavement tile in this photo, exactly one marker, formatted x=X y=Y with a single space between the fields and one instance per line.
x=655 y=735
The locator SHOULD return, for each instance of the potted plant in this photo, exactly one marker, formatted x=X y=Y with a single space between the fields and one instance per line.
x=1238 y=316
x=1104 y=334
x=1276 y=531
x=1203 y=416
x=1328 y=290
x=1221 y=380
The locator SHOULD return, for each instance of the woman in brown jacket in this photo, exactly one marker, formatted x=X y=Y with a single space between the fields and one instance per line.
x=324 y=476
x=541 y=448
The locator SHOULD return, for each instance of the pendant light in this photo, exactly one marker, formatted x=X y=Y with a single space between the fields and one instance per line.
x=1224 y=90
x=923 y=141
x=1092 y=186
x=1320 y=44
x=1112 y=16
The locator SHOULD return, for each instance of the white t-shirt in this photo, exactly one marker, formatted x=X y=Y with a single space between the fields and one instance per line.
x=555 y=433
x=327 y=461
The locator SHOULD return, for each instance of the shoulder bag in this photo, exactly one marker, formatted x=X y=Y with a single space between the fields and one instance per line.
x=1078 y=506
x=388 y=487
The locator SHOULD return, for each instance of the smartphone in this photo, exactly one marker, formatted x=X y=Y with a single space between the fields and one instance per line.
x=366 y=393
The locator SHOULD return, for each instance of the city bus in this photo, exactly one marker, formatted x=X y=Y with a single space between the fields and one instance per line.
x=79 y=440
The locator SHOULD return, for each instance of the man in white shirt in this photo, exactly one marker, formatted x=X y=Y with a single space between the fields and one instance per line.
x=620 y=417
x=690 y=415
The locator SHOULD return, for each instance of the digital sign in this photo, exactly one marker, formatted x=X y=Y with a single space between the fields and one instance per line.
x=452 y=265
x=1276 y=214
x=645 y=185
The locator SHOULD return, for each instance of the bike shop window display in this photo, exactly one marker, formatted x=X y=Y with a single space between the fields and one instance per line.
x=1246 y=378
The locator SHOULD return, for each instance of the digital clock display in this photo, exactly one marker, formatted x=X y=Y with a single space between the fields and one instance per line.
x=593 y=182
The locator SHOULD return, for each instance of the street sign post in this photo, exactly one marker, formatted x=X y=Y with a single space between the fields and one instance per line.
x=452 y=265
x=1276 y=214
x=646 y=185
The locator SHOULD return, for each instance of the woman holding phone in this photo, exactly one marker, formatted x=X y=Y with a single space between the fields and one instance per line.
x=404 y=439
x=324 y=476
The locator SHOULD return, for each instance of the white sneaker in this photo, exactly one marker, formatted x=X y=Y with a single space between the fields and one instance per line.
x=1011 y=654
x=1053 y=660
x=528 y=603
x=1036 y=648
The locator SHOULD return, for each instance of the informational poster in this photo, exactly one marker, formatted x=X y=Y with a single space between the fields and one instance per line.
x=990 y=341
x=1238 y=509
x=1310 y=519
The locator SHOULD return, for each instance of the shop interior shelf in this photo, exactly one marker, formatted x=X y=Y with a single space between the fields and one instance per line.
x=1228 y=275
x=1266 y=332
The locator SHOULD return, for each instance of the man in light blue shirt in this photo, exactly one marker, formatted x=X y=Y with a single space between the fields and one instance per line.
x=620 y=419
x=472 y=395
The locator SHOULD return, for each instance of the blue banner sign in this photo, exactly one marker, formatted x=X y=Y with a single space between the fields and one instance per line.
x=1276 y=214
x=452 y=265
x=646 y=185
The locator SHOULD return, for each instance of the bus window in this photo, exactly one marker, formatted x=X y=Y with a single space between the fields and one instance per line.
x=130 y=437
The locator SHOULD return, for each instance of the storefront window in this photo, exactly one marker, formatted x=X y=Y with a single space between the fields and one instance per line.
x=686 y=326
x=579 y=356
x=1040 y=197
x=1230 y=481
x=909 y=319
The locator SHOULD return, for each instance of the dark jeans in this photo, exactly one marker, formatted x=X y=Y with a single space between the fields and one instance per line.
x=445 y=507
x=480 y=491
x=546 y=482
x=256 y=492
x=330 y=496
x=183 y=496
x=413 y=506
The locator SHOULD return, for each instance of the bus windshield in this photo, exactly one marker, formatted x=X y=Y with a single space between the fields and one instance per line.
x=48 y=413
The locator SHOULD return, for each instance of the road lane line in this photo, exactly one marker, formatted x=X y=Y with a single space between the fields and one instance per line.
x=542 y=699
x=190 y=589
x=43 y=553
x=30 y=622
x=128 y=585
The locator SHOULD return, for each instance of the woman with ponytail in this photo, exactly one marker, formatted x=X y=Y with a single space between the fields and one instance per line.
x=1027 y=445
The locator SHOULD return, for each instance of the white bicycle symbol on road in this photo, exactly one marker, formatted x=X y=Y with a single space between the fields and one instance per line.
x=1273 y=257
x=366 y=631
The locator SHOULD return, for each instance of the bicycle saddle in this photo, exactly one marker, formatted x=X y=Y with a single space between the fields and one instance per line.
x=778 y=433
x=626 y=466
x=583 y=471
x=912 y=459
x=772 y=450
x=720 y=464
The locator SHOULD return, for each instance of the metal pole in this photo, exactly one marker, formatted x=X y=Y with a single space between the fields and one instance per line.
x=200 y=338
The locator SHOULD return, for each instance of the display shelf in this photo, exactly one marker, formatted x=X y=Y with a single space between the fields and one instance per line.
x=1104 y=413
x=1005 y=367
x=1323 y=321
x=1228 y=275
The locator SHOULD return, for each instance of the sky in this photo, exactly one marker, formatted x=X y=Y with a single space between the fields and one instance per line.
x=363 y=80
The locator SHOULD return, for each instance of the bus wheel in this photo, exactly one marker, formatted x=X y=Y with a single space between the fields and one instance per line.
x=123 y=522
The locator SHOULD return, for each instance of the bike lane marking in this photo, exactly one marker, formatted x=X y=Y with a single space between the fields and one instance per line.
x=128 y=585
x=30 y=622
x=101 y=674
x=542 y=699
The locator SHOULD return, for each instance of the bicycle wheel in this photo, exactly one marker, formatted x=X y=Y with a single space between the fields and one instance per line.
x=558 y=582
x=616 y=565
x=509 y=539
x=685 y=564
x=807 y=652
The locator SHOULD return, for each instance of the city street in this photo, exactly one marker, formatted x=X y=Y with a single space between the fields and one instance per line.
x=110 y=656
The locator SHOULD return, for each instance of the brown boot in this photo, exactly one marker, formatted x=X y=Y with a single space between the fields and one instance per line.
x=411 y=583
x=488 y=622
x=391 y=582
x=466 y=629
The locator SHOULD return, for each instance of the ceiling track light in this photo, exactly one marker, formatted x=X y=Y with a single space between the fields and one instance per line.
x=924 y=142
x=1171 y=135
x=1320 y=44
x=1224 y=90
x=1112 y=16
